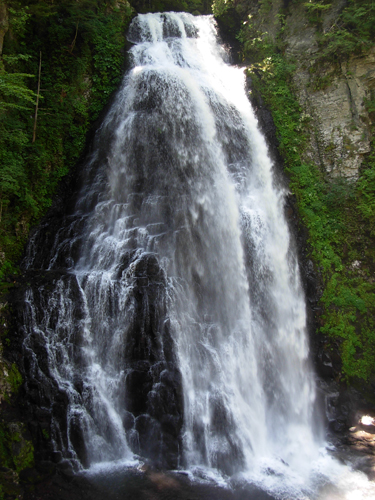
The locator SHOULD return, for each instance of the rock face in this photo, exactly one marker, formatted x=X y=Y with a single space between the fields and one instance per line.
x=152 y=386
x=331 y=96
x=338 y=115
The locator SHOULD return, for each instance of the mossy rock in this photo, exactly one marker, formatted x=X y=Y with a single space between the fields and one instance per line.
x=16 y=452
x=9 y=486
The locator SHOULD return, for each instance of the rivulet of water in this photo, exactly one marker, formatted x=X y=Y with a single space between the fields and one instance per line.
x=173 y=324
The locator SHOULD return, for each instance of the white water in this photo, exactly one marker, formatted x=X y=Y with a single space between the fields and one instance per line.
x=258 y=369
x=184 y=174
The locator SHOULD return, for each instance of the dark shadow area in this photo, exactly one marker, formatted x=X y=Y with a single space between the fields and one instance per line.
x=134 y=484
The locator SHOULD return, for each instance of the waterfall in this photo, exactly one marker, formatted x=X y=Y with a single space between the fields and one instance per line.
x=168 y=320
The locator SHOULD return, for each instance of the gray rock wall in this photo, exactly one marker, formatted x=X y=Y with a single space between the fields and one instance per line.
x=331 y=95
x=339 y=120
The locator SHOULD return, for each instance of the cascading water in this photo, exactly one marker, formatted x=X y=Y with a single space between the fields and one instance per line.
x=171 y=324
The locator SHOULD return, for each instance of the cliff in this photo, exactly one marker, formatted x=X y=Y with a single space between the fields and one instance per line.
x=332 y=87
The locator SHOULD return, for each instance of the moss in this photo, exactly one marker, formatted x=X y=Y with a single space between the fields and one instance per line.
x=5 y=453
x=25 y=458
x=14 y=378
x=16 y=452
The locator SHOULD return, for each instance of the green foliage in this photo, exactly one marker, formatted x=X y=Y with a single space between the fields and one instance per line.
x=366 y=192
x=366 y=183
x=5 y=453
x=15 y=452
x=317 y=7
x=82 y=47
x=14 y=378
x=25 y=457
x=220 y=7
x=257 y=45
x=194 y=6
x=352 y=32
x=13 y=91
x=315 y=11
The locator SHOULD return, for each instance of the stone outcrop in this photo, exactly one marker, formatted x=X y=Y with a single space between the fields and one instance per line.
x=332 y=96
x=339 y=120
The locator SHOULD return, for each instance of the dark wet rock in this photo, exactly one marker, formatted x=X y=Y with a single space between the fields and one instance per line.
x=229 y=24
x=150 y=438
x=337 y=425
x=153 y=384
x=328 y=361
x=35 y=475
x=77 y=439
x=10 y=487
x=136 y=484
x=138 y=385
x=128 y=420
x=56 y=457
x=353 y=440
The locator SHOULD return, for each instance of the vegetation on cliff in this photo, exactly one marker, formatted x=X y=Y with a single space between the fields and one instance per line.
x=16 y=448
x=78 y=48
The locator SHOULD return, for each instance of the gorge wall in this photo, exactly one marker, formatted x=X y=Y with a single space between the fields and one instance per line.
x=331 y=90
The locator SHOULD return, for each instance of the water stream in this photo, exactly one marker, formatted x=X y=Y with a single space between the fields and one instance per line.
x=173 y=326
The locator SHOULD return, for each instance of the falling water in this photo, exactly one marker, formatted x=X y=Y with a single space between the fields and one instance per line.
x=172 y=326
